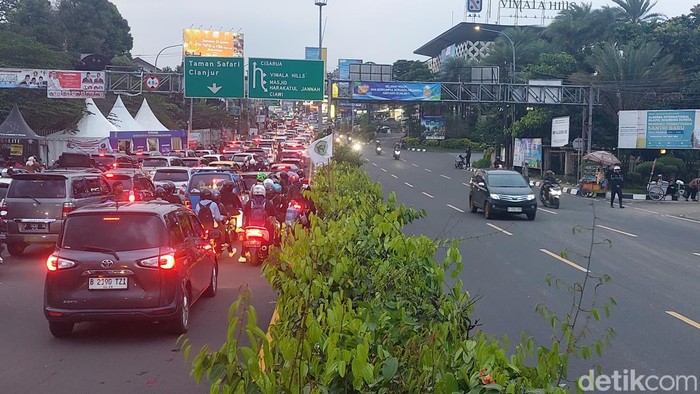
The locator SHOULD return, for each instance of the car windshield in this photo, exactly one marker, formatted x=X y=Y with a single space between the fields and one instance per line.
x=154 y=163
x=104 y=160
x=171 y=175
x=207 y=181
x=507 y=180
x=118 y=232
x=191 y=162
x=38 y=188
x=124 y=179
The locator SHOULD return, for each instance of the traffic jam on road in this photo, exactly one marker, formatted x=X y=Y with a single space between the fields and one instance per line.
x=141 y=236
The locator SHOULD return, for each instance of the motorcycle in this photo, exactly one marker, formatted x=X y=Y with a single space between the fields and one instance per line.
x=256 y=244
x=215 y=239
x=397 y=154
x=378 y=150
x=460 y=163
x=296 y=213
x=551 y=199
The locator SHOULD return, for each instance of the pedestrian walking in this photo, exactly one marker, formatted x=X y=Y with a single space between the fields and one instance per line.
x=526 y=171
x=616 y=183
x=693 y=187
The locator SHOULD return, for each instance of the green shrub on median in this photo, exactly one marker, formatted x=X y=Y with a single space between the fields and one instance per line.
x=365 y=308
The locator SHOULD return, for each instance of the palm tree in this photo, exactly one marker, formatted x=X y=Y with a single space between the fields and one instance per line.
x=528 y=48
x=637 y=11
x=631 y=76
x=455 y=69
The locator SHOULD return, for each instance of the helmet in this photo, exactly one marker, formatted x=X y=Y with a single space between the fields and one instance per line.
x=227 y=186
x=278 y=187
x=284 y=175
x=293 y=177
x=206 y=194
x=160 y=192
x=269 y=184
x=215 y=195
x=549 y=173
x=617 y=168
x=261 y=177
x=258 y=190
x=169 y=187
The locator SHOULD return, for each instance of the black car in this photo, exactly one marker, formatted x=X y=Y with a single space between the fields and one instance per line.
x=133 y=261
x=502 y=191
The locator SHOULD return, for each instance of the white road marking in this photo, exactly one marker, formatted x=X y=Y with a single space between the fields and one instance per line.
x=404 y=160
x=684 y=219
x=445 y=176
x=428 y=195
x=465 y=184
x=684 y=319
x=374 y=164
x=429 y=170
x=563 y=260
x=408 y=184
x=395 y=177
x=616 y=231
x=383 y=170
x=415 y=165
x=646 y=210
x=455 y=208
x=547 y=210
x=493 y=226
x=697 y=254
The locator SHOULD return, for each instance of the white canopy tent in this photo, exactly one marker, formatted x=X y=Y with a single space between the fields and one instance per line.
x=146 y=118
x=120 y=117
x=91 y=135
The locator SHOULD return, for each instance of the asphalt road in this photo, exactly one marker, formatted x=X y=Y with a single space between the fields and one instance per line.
x=654 y=261
x=108 y=357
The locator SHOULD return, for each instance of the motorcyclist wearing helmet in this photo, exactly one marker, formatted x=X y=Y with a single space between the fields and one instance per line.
x=170 y=190
x=547 y=183
x=206 y=200
x=259 y=212
x=294 y=190
x=498 y=163
x=230 y=199
x=160 y=194
x=216 y=197
x=616 y=182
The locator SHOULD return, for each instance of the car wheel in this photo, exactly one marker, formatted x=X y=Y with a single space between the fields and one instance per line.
x=213 y=282
x=531 y=216
x=487 y=210
x=16 y=248
x=181 y=323
x=60 y=329
x=472 y=208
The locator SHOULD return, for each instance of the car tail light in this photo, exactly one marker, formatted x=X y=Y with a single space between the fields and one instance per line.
x=188 y=204
x=109 y=175
x=253 y=233
x=68 y=207
x=296 y=205
x=54 y=263
x=132 y=197
x=3 y=208
x=166 y=262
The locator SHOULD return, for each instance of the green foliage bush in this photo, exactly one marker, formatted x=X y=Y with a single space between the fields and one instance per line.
x=452 y=143
x=485 y=162
x=365 y=308
x=343 y=153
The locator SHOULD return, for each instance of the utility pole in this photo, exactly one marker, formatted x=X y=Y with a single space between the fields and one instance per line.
x=590 y=119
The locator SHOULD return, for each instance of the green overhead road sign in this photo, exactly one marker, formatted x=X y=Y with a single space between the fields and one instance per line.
x=285 y=79
x=214 y=77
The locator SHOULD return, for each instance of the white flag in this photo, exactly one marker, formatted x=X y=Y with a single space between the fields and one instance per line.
x=321 y=150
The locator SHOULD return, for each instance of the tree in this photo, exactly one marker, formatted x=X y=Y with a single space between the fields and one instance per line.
x=412 y=70
x=7 y=6
x=552 y=65
x=455 y=69
x=94 y=26
x=19 y=50
x=680 y=37
x=637 y=11
x=37 y=19
x=528 y=47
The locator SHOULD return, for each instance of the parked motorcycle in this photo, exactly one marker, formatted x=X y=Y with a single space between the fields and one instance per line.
x=460 y=163
x=397 y=154
x=256 y=244
x=551 y=199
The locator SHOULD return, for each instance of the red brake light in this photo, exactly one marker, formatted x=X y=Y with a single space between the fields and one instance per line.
x=296 y=205
x=3 y=208
x=68 y=207
x=109 y=175
x=132 y=197
x=167 y=261
x=52 y=263
x=253 y=233
x=110 y=219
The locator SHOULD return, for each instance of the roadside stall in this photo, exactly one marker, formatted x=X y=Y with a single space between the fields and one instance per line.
x=593 y=169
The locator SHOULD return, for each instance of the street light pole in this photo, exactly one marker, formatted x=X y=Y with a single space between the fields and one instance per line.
x=320 y=4
x=155 y=65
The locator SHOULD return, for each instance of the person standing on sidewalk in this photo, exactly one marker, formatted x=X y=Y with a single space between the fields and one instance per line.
x=468 y=156
x=616 y=183
x=693 y=186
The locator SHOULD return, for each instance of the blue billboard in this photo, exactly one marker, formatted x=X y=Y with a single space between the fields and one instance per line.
x=670 y=129
x=344 y=67
x=434 y=127
x=396 y=91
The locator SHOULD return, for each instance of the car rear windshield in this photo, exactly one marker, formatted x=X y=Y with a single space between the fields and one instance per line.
x=507 y=180
x=54 y=187
x=207 y=181
x=191 y=162
x=120 y=232
x=171 y=175
x=104 y=160
x=153 y=163
x=125 y=180
x=240 y=158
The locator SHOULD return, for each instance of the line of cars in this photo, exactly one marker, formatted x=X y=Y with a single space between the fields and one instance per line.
x=122 y=256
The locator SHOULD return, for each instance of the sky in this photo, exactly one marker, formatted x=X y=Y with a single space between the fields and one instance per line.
x=381 y=31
